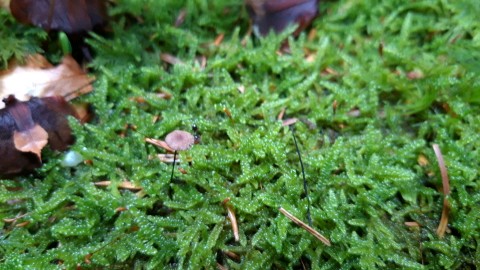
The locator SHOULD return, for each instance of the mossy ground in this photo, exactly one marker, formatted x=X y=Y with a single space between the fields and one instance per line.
x=361 y=159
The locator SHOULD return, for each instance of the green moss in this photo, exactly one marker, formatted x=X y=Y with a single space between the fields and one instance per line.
x=361 y=158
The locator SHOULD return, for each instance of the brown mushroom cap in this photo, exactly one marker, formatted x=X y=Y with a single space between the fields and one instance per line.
x=179 y=140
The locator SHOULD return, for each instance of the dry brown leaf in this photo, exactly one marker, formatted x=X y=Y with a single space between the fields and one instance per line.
x=26 y=128
x=31 y=140
x=38 y=78
x=159 y=143
x=5 y=4
x=125 y=185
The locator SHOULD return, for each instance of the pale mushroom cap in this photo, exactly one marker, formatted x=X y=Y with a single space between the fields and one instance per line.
x=179 y=140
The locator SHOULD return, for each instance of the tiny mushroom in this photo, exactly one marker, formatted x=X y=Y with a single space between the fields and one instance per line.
x=180 y=140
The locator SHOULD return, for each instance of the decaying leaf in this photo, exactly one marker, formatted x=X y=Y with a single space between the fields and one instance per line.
x=31 y=140
x=38 y=78
x=25 y=129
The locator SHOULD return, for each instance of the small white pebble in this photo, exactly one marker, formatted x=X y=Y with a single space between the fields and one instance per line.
x=72 y=159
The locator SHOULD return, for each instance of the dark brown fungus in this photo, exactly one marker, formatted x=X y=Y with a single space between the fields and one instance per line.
x=74 y=17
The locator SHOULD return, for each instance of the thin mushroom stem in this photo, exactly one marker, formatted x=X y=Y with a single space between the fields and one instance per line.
x=305 y=184
x=173 y=165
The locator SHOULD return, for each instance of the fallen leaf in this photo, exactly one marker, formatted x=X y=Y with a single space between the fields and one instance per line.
x=25 y=128
x=31 y=140
x=38 y=78
x=160 y=144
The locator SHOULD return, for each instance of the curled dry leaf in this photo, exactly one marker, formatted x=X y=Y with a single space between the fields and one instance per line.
x=35 y=110
x=31 y=140
x=38 y=78
x=160 y=144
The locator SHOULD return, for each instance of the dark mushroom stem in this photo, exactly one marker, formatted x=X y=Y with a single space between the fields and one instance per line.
x=305 y=184
x=173 y=166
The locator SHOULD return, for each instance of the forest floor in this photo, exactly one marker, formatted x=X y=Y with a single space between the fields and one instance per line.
x=372 y=86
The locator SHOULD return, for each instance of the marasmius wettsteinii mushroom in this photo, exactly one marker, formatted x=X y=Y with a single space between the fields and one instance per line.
x=74 y=17
x=179 y=140
x=276 y=15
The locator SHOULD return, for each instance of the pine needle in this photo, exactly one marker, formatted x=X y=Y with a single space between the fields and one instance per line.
x=304 y=226
x=442 y=226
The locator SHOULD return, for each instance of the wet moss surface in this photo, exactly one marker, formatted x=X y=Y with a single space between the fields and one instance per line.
x=374 y=84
